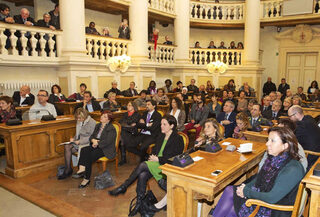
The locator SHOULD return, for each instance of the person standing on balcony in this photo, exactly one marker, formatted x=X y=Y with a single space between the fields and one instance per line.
x=45 y=22
x=55 y=17
x=222 y=45
x=24 y=18
x=124 y=30
x=91 y=29
x=106 y=32
x=211 y=45
x=167 y=42
x=197 y=45
x=5 y=14
x=232 y=45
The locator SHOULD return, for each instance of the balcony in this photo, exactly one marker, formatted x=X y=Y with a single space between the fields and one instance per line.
x=164 y=54
x=103 y=48
x=29 y=44
x=164 y=7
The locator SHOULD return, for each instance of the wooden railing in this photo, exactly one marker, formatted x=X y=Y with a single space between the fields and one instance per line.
x=103 y=48
x=220 y=12
x=166 y=6
x=163 y=53
x=21 y=40
x=271 y=9
x=202 y=56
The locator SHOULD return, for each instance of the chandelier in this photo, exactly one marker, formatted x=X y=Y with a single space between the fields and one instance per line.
x=217 y=66
x=119 y=63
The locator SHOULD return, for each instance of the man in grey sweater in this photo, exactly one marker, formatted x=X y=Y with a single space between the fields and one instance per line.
x=42 y=107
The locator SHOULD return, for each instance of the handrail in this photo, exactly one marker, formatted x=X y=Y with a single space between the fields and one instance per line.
x=166 y=6
x=162 y=54
x=203 y=56
x=271 y=9
x=103 y=47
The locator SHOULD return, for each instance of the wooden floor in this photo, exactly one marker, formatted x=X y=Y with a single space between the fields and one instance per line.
x=64 y=198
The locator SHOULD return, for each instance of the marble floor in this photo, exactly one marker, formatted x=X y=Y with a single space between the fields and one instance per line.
x=66 y=199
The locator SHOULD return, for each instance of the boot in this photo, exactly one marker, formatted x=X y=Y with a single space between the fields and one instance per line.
x=119 y=190
x=136 y=209
x=123 y=155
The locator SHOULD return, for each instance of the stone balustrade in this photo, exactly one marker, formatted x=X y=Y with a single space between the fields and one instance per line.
x=202 y=56
x=271 y=9
x=220 y=12
x=166 y=6
x=18 y=40
x=162 y=54
x=103 y=48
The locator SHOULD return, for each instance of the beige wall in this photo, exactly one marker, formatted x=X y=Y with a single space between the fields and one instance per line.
x=16 y=10
x=163 y=31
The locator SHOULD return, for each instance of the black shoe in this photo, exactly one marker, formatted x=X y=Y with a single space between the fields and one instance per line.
x=119 y=190
x=136 y=209
x=83 y=186
x=65 y=175
x=78 y=175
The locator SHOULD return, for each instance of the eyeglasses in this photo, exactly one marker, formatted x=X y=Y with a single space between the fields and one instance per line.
x=42 y=95
x=292 y=115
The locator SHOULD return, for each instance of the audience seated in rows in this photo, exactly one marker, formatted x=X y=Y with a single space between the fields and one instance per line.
x=214 y=107
x=210 y=133
x=42 y=107
x=313 y=86
x=197 y=116
x=102 y=144
x=84 y=129
x=56 y=96
x=301 y=94
x=23 y=97
x=242 y=102
x=160 y=97
x=111 y=104
x=167 y=145
x=242 y=125
x=192 y=87
x=168 y=86
x=230 y=86
x=89 y=103
x=274 y=113
x=142 y=100
x=179 y=87
x=276 y=182
x=129 y=128
x=113 y=89
x=79 y=96
x=150 y=128
x=152 y=89
x=228 y=118
x=266 y=105
x=230 y=97
x=287 y=103
x=7 y=110
x=210 y=87
x=131 y=91
x=177 y=111
x=256 y=120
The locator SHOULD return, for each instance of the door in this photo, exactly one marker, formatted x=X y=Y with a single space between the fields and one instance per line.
x=301 y=70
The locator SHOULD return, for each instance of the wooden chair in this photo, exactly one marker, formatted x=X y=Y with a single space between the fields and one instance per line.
x=307 y=152
x=297 y=209
x=161 y=112
x=105 y=160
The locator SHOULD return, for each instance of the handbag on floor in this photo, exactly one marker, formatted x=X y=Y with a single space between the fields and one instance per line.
x=103 y=181
x=147 y=201
x=60 y=170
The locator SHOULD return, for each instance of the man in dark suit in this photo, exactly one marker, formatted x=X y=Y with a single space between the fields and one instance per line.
x=149 y=124
x=228 y=118
x=274 y=113
x=283 y=87
x=55 y=17
x=307 y=132
x=45 y=22
x=193 y=87
x=268 y=87
x=131 y=91
x=89 y=103
x=5 y=17
x=23 y=97
x=266 y=105
x=113 y=89
x=256 y=120
x=124 y=30
x=230 y=98
x=167 y=42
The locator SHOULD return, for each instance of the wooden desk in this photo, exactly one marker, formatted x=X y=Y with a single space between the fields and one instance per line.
x=23 y=108
x=257 y=136
x=123 y=101
x=311 y=111
x=182 y=184
x=67 y=107
x=32 y=146
x=163 y=108
x=313 y=183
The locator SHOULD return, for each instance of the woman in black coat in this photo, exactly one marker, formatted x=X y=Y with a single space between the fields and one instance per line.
x=102 y=144
x=56 y=96
x=168 y=144
x=128 y=128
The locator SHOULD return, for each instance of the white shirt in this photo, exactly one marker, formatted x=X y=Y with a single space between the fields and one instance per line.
x=23 y=98
x=37 y=111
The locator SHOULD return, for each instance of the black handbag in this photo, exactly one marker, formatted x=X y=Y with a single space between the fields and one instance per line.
x=147 y=201
x=103 y=181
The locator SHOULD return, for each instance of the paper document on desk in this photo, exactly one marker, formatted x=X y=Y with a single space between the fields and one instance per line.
x=245 y=148
x=197 y=158
x=226 y=143
x=65 y=143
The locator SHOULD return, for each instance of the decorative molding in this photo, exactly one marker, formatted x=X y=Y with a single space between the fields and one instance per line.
x=301 y=34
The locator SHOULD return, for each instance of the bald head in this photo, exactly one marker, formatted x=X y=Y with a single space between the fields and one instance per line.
x=24 y=90
x=295 y=113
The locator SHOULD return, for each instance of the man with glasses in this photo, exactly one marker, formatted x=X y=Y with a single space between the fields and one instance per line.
x=307 y=132
x=42 y=107
x=274 y=113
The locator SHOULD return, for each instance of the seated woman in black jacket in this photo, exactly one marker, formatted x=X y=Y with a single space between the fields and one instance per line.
x=128 y=128
x=168 y=144
x=56 y=96
x=111 y=104
x=276 y=182
x=102 y=144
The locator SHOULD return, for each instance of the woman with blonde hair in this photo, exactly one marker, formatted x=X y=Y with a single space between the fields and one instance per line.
x=210 y=133
x=242 y=125
x=84 y=128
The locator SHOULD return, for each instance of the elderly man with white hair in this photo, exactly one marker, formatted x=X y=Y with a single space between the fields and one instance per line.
x=307 y=132
x=24 y=18
x=113 y=89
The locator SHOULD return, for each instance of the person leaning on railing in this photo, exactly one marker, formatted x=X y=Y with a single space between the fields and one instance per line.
x=276 y=182
x=84 y=128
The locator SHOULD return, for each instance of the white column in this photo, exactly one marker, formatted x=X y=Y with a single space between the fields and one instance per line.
x=252 y=33
x=72 y=21
x=182 y=30
x=138 y=21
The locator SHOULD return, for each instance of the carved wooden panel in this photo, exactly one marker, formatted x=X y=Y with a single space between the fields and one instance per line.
x=180 y=201
x=63 y=135
x=33 y=147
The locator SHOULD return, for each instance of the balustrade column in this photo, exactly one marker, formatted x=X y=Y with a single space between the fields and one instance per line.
x=182 y=30
x=73 y=37
x=252 y=33
x=138 y=19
